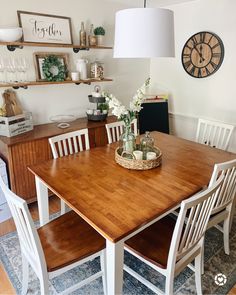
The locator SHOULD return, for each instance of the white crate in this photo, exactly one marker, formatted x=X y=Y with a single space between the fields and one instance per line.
x=11 y=126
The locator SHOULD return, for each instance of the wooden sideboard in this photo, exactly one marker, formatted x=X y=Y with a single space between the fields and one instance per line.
x=32 y=147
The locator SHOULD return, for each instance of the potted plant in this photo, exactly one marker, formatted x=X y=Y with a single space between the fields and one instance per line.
x=103 y=107
x=99 y=32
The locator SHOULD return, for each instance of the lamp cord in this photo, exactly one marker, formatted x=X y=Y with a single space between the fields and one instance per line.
x=144 y=4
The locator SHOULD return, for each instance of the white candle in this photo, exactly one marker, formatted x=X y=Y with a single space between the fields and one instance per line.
x=151 y=155
x=89 y=112
x=74 y=76
x=138 y=155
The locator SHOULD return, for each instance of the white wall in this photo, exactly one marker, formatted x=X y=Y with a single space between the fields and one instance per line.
x=190 y=98
x=45 y=101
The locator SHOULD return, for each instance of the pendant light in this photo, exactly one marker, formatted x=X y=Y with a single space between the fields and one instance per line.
x=144 y=33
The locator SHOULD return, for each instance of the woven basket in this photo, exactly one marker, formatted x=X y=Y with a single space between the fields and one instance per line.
x=138 y=164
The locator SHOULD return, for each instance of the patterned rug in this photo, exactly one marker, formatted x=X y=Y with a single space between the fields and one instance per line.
x=216 y=262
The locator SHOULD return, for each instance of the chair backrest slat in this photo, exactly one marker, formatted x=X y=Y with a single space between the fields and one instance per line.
x=114 y=130
x=214 y=134
x=80 y=143
x=69 y=143
x=75 y=144
x=60 y=149
x=64 y=142
x=190 y=233
x=196 y=210
x=228 y=189
x=185 y=234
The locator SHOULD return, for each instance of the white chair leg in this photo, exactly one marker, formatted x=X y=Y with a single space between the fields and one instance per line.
x=44 y=286
x=226 y=230
x=202 y=257
x=232 y=212
x=63 y=207
x=25 y=275
x=103 y=269
x=169 y=284
x=198 y=270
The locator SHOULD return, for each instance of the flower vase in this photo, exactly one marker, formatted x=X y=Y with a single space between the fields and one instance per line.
x=127 y=141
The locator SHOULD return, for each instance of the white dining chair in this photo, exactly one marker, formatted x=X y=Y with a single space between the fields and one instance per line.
x=56 y=247
x=68 y=144
x=224 y=206
x=214 y=134
x=169 y=245
x=114 y=130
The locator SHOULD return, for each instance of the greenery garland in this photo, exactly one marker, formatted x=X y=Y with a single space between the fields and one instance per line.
x=53 y=61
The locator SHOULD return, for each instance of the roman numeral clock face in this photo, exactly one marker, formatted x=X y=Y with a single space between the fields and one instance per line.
x=202 y=54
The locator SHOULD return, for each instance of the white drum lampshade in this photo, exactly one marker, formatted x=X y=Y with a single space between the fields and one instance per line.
x=144 y=33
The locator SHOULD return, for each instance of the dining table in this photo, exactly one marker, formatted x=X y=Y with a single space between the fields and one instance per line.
x=118 y=202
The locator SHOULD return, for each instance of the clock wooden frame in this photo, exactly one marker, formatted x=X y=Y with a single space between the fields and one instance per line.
x=202 y=54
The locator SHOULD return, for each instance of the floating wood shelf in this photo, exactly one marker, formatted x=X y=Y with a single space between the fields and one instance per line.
x=39 y=83
x=76 y=48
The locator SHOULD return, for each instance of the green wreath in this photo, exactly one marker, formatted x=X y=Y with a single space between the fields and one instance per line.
x=53 y=69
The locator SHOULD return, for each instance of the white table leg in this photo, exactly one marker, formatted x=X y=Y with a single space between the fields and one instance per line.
x=114 y=262
x=42 y=197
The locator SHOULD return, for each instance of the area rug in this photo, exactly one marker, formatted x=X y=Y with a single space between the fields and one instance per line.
x=216 y=262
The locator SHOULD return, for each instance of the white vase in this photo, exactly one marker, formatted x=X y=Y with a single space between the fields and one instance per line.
x=100 y=40
x=81 y=66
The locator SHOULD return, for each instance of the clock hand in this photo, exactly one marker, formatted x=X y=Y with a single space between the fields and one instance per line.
x=200 y=53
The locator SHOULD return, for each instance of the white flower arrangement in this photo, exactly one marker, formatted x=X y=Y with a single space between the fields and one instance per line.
x=119 y=110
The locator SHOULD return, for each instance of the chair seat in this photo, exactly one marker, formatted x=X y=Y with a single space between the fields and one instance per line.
x=153 y=243
x=68 y=239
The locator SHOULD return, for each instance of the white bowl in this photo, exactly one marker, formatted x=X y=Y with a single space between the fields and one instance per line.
x=63 y=120
x=10 y=34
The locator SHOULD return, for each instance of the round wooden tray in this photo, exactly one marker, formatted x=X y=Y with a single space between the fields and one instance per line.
x=138 y=164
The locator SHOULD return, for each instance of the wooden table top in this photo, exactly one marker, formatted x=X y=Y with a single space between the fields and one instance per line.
x=117 y=201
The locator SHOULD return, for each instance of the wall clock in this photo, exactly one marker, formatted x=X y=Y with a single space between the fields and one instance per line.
x=202 y=54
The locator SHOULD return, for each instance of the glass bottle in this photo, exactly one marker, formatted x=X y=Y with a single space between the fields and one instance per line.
x=82 y=34
x=92 y=40
x=147 y=144
x=127 y=142
x=97 y=70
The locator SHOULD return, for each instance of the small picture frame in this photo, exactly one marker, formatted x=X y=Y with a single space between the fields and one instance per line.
x=45 y=28
x=39 y=58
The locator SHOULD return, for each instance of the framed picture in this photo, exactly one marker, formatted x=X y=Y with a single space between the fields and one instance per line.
x=57 y=66
x=45 y=28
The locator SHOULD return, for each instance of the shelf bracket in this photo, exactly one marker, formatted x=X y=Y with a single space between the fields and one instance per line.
x=76 y=50
x=13 y=47
x=88 y=83
x=17 y=87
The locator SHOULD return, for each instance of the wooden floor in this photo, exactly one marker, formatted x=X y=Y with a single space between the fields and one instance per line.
x=8 y=226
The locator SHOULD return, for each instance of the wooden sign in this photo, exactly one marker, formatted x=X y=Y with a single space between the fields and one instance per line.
x=45 y=28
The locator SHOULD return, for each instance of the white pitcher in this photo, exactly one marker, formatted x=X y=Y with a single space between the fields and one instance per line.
x=81 y=67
